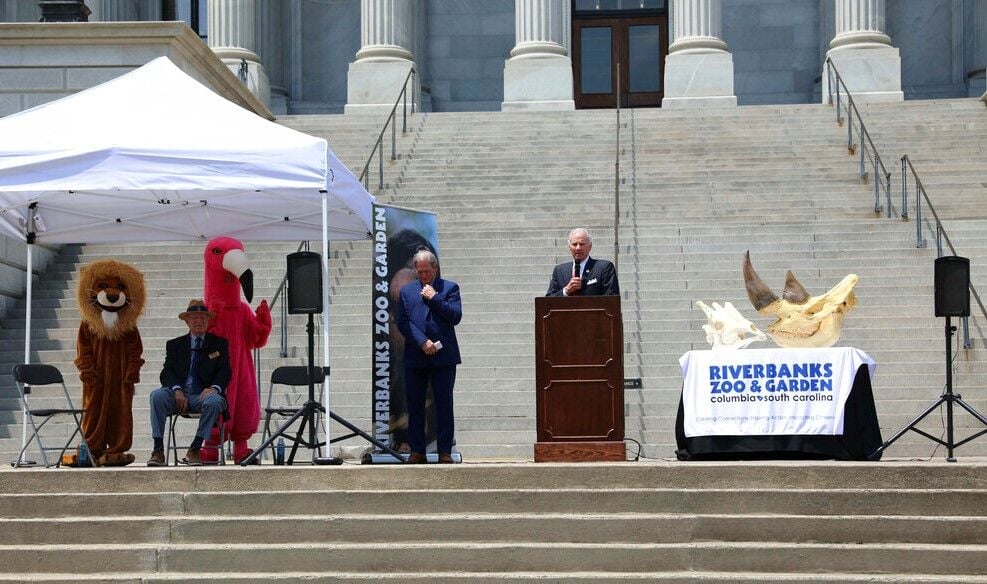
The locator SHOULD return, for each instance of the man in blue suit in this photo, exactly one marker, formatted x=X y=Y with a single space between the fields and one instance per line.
x=427 y=312
x=583 y=276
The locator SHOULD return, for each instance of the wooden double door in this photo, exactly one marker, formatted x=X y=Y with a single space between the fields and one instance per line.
x=619 y=58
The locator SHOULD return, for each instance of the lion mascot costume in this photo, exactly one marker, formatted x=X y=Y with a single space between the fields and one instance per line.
x=226 y=274
x=111 y=297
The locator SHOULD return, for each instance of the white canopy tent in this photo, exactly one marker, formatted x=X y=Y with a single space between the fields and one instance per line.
x=155 y=156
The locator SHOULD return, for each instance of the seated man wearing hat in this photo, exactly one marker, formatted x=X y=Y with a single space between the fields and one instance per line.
x=193 y=380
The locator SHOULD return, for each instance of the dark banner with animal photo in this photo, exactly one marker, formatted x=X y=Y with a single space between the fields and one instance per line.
x=397 y=234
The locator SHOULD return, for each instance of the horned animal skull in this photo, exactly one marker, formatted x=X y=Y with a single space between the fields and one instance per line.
x=803 y=320
x=727 y=328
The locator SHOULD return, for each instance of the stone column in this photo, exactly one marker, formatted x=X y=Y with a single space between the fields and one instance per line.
x=538 y=74
x=389 y=31
x=699 y=67
x=862 y=53
x=232 y=36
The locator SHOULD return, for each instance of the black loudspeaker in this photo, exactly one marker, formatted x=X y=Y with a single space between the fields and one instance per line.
x=952 y=286
x=304 y=283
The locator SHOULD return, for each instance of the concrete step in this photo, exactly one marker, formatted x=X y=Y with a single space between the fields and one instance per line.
x=893 y=521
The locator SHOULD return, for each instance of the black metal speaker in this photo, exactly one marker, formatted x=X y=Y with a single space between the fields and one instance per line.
x=952 y=286
x=304 y=283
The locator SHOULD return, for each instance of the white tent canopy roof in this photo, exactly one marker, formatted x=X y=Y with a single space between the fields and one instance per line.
x=155 y=156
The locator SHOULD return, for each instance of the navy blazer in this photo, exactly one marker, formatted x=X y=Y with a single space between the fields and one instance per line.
x=212 y=367
x=599 y=279
x=434 y=320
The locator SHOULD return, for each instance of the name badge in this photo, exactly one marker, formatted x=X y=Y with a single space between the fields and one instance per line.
x=593 y=281
x=214 y=354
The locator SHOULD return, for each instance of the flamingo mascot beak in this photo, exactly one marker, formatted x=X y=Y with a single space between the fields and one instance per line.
x=235 y=262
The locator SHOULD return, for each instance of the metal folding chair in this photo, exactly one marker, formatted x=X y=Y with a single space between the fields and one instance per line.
x=292 y=376
x=37 y=375
x=172 y=441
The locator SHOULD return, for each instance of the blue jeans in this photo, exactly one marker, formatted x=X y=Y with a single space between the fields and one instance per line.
x=163 y=405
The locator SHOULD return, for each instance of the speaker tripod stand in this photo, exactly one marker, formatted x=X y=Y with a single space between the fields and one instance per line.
x=949 y=398
x=308 y=414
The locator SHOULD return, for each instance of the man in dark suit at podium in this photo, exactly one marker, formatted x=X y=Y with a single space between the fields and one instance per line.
x=583 y=276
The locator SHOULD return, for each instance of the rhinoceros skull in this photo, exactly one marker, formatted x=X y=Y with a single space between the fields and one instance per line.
x=803 y=320
x=727 y=328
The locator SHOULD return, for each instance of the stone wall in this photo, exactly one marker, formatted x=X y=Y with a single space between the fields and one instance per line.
x=778 y=48
x=467 y=44
x=320 y=54
x=775 y=46
x=931 y=38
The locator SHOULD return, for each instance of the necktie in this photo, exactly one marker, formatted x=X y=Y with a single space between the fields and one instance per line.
x=193 y=381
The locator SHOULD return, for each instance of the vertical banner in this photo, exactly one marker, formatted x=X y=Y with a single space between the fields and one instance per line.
x=397 y=234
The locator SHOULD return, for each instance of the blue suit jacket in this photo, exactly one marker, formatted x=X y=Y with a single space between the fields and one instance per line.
x=434 y=320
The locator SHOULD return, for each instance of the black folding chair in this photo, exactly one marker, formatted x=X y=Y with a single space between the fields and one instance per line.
x=292 y=376
x=172 y=440
x=37 y=375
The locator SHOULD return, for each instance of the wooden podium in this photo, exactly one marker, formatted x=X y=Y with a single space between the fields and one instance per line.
x=579 y=374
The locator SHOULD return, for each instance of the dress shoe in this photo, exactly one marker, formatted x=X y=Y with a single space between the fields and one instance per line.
x=192 y=457
x=446 y=458
x=417 y=458
x=157 y=459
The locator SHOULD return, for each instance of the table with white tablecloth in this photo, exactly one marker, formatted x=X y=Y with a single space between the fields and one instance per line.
x=777 y=403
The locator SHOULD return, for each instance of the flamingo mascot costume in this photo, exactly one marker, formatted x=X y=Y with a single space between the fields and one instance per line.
x=226 y=273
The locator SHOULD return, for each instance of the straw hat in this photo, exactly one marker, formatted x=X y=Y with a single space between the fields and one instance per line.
x=196 y=307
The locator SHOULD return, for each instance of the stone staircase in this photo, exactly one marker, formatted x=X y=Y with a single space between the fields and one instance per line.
x=668 y=522
x=698 y=189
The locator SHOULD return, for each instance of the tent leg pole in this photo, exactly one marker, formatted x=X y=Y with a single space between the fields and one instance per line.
x=27 y=341
x=329 y=458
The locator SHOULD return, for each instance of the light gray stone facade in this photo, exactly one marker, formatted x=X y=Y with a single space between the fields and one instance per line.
x=470 y=55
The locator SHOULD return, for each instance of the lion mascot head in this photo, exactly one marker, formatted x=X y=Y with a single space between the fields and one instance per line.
x=111 y=297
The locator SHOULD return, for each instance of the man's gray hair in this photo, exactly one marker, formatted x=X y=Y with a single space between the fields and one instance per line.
x=423 y=255
x=580 y=231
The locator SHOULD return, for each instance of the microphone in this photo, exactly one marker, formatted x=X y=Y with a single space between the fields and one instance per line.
x=575 y=269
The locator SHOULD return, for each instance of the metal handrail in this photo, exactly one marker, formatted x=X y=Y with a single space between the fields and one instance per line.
x=876 y=160
x=616 y=185
x=379 y=144
x=921 y=193
x=940 y=231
